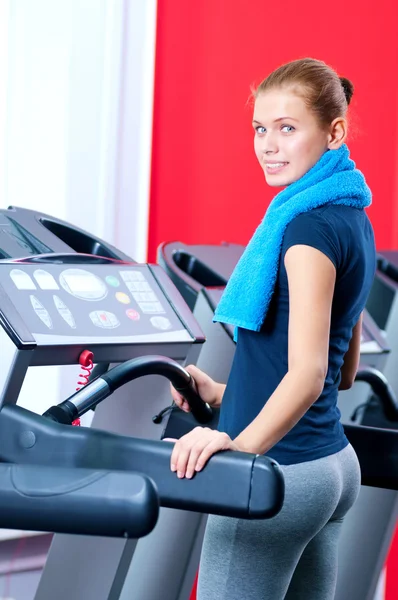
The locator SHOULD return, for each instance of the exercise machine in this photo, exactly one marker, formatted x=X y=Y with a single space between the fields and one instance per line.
x=56 y=303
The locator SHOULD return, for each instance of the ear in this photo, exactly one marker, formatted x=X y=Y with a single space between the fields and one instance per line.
x=337 y=133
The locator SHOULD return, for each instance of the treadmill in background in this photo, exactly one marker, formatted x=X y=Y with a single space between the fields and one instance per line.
x=382 y=305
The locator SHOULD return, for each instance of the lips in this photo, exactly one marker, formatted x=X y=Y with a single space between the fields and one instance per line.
x=275 y=167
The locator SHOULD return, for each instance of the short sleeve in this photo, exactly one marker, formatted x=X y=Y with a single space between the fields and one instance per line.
x=313 y=229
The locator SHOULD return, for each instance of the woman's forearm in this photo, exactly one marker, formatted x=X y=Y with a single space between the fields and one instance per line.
x=219 y=394
x=297 y=391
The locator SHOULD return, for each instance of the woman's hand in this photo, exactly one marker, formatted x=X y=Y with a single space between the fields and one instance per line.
x=209 y=390
x=192 y=451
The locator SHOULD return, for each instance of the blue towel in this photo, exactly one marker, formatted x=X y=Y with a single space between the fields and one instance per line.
x=332 y=180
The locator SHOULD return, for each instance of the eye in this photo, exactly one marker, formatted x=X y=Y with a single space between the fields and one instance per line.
x=287 y=128
x=260 y=129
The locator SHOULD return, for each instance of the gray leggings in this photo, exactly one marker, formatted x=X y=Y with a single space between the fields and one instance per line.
x=292 y=556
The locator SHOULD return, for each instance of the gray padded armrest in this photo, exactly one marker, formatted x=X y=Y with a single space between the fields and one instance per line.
x=78 y=501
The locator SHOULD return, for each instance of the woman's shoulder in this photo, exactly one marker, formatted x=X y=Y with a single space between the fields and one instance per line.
x=335 y=216
x=336 y=230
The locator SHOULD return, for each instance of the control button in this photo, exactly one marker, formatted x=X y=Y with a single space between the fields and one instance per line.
x=160 y=323
x=45 y=280
x=151 y=307
x=132 y=276
x=133 y=314
x=22 y=280
x=145 y=297
x=83 y=284
x=64 y=312
x=104 y=319
x=41 y=312
x=138 y=286
x=122 y=297
x=95 y=319
x=112 y=281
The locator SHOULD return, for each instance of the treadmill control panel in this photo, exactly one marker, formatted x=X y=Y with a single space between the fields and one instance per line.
x=118 y=301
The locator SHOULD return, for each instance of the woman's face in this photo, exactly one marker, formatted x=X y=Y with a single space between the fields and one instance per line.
x=288 y=139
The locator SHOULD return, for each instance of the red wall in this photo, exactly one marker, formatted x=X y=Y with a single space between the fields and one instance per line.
x=206 y=184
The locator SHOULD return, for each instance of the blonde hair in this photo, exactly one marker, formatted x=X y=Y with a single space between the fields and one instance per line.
x=324 y=92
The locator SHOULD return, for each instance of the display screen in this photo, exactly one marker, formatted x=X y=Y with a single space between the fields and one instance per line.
x=81 y=283
x=380 y=301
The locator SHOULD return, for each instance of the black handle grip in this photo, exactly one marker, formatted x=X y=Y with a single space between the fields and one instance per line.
x=88 y=397
x=201 y=411
x=77 y=501
x=160 y=365
x=382 y=389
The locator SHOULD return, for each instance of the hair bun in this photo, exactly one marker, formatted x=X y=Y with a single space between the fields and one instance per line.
x=348 y=88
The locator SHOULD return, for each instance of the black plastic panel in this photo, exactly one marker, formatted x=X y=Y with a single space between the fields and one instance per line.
x=193 y=267
x=380 y=299
x=25 y=232
x=78 y=501
x=80 y=241
x=197 y=269
x=377 y=451
x=387 y=262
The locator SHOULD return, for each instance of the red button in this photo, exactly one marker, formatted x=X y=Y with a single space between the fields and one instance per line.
x=133 y=314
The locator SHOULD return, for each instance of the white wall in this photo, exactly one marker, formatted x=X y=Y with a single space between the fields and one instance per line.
x=78 y=126
x=4 y=9
x=80 y=113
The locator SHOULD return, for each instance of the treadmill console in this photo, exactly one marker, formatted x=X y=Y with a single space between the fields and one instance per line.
x=114 y=303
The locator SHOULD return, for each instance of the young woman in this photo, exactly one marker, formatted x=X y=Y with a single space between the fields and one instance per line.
x=296 y=299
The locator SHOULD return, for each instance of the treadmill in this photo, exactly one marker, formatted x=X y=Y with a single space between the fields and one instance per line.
x=382 y=305
x=57 y=302
x=369 y=527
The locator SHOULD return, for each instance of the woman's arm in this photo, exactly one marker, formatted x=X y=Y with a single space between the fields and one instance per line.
x=351 y=358
x=311 y=278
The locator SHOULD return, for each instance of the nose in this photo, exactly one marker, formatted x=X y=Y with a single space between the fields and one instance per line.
x=269 y=144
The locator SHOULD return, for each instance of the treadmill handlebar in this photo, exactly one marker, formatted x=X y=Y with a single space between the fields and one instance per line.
x=102 y=387
x=77 y=501
x=381 y=388
x=254 y=484
x=67 y=258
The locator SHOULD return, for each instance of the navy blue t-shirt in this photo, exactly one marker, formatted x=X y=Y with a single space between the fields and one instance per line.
x=345 y=235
